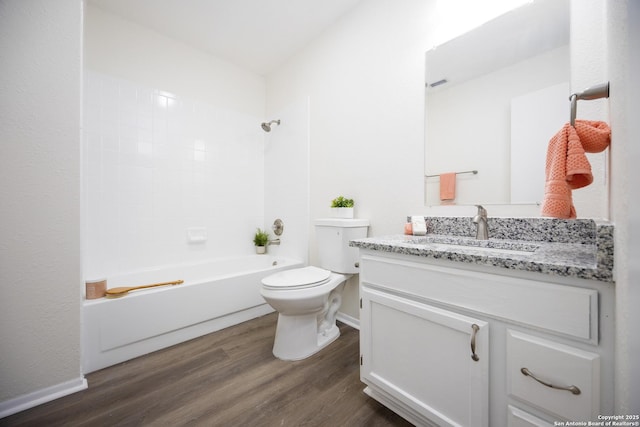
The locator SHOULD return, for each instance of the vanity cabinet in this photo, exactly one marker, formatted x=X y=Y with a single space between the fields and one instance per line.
x=445 y=345
x=431 y=361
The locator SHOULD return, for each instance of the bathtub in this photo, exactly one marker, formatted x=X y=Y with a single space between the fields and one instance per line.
x=214 y=295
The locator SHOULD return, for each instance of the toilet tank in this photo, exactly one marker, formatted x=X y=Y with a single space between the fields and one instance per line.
x=332 y=238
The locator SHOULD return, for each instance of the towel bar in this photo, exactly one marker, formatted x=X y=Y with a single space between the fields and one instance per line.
x=457 y=173
x=593 y=92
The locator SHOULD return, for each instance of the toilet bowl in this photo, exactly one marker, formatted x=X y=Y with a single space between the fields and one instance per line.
x=307 y=299
x=307 y=310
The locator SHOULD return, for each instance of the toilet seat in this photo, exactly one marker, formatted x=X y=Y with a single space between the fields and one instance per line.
x=298 y=278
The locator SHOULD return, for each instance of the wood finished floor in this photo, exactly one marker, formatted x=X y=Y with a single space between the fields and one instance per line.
x=227 y=378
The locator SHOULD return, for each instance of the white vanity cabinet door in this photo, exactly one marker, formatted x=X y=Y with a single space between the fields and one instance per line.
x=420 y=358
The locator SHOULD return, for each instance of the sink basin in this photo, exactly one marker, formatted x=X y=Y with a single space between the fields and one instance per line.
x=491 y=246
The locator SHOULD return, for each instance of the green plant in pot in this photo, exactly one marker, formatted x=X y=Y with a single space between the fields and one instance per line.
x=260 y=240
x=341 y=207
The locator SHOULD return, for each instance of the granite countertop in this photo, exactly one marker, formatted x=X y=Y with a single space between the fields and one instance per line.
x=570 y=248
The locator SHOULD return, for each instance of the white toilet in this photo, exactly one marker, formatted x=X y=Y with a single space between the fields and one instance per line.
x=307 y=299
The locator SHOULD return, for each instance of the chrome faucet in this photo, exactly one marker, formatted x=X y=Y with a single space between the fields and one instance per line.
x=273 y=242
x=480 y=220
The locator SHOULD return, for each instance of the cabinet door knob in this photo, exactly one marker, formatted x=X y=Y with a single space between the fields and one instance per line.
x=474 y=356
x=573 y=389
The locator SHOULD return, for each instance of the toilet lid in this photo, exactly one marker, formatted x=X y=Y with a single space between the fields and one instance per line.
x=297 y=278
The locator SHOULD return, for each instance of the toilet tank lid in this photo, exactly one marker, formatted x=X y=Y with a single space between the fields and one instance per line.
x=342 y=222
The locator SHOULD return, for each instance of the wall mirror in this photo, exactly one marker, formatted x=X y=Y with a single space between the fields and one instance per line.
x=494 y=97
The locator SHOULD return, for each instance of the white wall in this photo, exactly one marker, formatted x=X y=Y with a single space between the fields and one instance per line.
x=629 y=301
x=605 y=46
x=173 y=143
x=365 y=82
x=40 y=271
x=160 y=167
x=589 y=67
x=286 y=179
x=125 y=50
x=623 y=59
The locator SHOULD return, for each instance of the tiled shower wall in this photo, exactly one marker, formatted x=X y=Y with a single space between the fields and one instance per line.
x=156 y=166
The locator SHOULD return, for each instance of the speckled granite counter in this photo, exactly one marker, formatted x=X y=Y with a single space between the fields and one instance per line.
x=571 y=248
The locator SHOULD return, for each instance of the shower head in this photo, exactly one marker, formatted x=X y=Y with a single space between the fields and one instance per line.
x=266 y=126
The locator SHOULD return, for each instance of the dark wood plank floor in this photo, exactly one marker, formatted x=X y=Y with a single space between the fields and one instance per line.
x=228 y=378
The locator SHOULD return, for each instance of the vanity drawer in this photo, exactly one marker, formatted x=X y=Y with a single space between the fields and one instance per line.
x=519 y=418
x=567 y=310
x=576 y=370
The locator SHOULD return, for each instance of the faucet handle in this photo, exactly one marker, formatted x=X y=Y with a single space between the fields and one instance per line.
x=278 y=227
x=481 y=211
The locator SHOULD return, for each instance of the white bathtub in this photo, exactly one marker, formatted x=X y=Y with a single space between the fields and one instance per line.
x=214 y=295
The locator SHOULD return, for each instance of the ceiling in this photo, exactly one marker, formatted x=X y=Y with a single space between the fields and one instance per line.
x=258 y=35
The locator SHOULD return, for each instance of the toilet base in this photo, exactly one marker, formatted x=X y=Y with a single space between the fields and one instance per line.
x=297 y=337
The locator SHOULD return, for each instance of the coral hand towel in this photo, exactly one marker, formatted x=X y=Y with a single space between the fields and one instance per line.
x=448 y=186
x=567 y=166
x=594 y=136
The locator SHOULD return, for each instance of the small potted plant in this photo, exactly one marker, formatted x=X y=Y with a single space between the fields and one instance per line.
x=260 y=240
x=342 y=207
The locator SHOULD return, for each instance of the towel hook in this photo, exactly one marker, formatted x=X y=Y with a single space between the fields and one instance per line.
x=593 y=92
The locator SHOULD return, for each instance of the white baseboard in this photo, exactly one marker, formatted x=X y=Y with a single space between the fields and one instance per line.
x=348 y=320
x=38 y=397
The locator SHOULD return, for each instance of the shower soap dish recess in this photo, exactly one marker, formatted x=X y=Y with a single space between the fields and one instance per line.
x=123 y=290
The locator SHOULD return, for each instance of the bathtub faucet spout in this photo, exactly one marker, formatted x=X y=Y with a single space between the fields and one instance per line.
x=273 y=242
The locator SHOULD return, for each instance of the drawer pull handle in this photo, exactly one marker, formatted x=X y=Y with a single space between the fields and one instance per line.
x=474 y=356
x=573 y=389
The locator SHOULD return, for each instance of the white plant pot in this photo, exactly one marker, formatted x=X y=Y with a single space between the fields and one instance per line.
x=342 y=212
x=261 y=249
